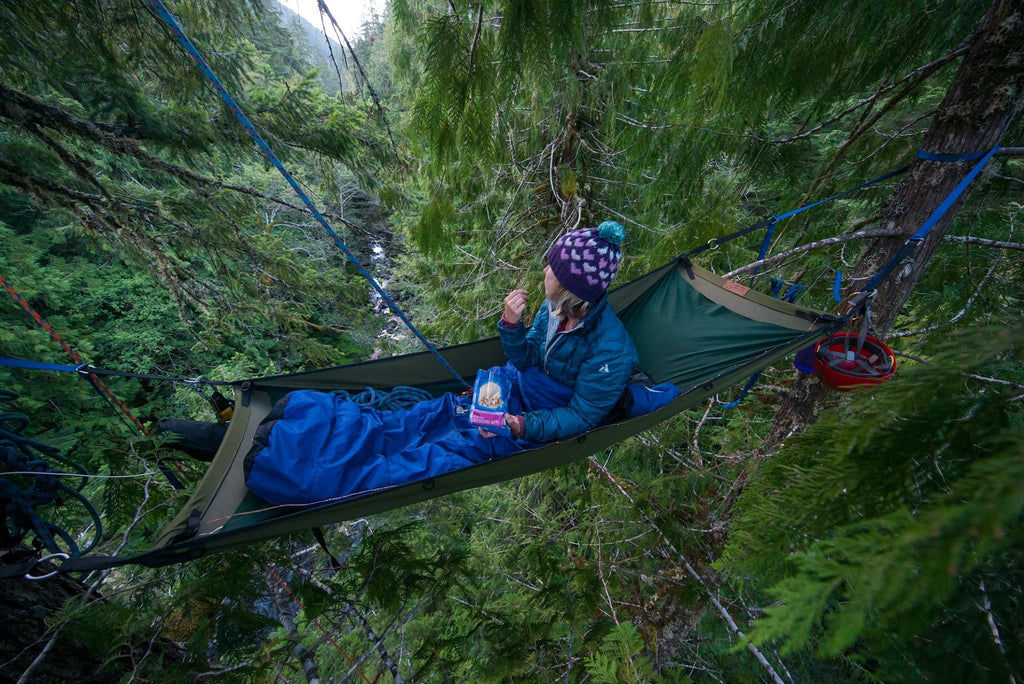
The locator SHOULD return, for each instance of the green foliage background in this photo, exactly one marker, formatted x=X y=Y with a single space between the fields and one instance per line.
x=138 y=219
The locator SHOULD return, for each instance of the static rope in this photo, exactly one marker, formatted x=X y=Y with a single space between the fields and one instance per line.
x=82 y=368
x=183 y=39
x=400 y=397
x=20 y=456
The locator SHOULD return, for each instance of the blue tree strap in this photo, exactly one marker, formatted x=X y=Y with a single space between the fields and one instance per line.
x=744 y=392
x=940 y=157
x=37 y=365
x=914 y=240
x=836 y=295
x=772 y=220
x=793 y=292
x=85 y=369
x=179 y=34
x=953 y=196
x=765 y=243
x=844 y=192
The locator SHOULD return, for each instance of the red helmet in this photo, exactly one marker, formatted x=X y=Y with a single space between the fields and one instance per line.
x=844 y=362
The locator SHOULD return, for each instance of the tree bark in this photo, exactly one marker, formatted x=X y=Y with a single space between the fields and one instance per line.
x=984 y=97
x=25 y=633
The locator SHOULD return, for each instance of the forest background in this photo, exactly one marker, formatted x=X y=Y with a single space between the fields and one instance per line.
x=799 y=536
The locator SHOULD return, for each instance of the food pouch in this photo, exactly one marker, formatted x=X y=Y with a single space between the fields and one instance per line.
x=490 y=401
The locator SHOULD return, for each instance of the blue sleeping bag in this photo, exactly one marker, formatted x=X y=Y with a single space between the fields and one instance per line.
x=318 y=447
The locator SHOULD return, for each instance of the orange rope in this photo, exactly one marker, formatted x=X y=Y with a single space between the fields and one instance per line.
x=95 y=379
x=319 y=626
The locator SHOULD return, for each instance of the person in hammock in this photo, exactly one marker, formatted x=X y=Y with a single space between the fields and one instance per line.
x=566 y=374
x=577 y=352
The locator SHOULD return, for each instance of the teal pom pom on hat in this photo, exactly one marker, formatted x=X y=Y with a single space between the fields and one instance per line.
x=612 y=231
x=586 y=260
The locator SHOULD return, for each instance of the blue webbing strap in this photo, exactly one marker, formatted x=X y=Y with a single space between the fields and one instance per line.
x=168 y=19
x=844 y=192
x=836 y=294
x=772 y=220
x=743 y=393
x=769 y=231
x=914 y=240
x=85 y=369
x=940 y=157
x=793 y=292
x=37 y=365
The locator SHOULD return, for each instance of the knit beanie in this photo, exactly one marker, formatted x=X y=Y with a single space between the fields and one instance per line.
x=585 y=260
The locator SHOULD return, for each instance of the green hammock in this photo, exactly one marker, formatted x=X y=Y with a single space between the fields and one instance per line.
x=691 y=328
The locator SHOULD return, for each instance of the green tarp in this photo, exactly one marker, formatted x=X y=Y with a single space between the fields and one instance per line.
x=691 y=328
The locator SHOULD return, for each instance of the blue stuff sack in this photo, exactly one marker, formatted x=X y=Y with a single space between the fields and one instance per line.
x=490 y=401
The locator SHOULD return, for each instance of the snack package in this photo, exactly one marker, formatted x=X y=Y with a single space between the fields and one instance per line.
x=490 y=401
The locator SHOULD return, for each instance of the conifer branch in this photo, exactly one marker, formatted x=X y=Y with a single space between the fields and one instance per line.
x=967 y=305
x=817 y=244
x=378 y=642
x=692 y=572
x=28 y=111
x=986 y=608
x=922 y=71
x=399 y=622
x=476 y=35
x=366 y=79
x=305 y=656
x=862 y=235
x=330 y=51
x=984 y=242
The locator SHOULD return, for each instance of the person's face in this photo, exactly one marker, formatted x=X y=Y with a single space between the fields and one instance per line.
x=550 y=282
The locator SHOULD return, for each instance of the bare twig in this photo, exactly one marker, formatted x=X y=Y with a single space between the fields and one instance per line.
x=355 y=58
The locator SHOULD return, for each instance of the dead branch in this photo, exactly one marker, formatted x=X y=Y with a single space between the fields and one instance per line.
x=817 y=244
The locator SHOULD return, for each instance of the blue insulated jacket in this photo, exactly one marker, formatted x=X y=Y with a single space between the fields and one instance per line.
x=596 y=359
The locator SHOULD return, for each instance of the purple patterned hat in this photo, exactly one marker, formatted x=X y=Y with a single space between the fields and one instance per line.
x=585 y=260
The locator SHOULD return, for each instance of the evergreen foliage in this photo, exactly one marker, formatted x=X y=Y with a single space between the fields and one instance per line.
x=874 y=545
x=137 y=217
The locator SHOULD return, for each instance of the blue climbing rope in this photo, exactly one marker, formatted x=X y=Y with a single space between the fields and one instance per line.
x=183 y=39
x=401 y=397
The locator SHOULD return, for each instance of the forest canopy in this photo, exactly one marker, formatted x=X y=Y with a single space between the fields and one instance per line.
x=798 y=536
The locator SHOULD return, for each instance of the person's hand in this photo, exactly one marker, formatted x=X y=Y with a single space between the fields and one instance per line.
x=515 y=425
x=485 y=434
x=515 y=305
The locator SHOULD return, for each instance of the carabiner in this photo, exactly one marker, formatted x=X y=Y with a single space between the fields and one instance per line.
x=33 y=578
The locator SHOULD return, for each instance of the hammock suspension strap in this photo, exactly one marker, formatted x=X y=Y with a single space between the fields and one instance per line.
x=769 y=223
x=914 y=240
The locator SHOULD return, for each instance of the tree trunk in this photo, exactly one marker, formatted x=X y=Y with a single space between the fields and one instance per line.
x=983 y=99
x=29 y=642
